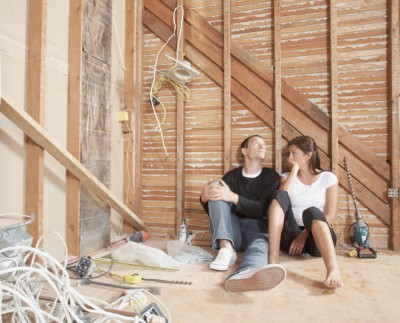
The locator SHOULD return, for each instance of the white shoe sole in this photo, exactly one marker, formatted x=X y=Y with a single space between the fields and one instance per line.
x=264 y=278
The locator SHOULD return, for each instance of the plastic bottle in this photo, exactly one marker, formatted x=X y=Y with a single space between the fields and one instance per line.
x=183 y=233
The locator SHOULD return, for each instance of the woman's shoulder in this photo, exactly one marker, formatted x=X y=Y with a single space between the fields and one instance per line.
x=328 y=177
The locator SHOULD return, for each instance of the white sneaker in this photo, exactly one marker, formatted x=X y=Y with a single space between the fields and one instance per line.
x=224 y=259
x=263 y=278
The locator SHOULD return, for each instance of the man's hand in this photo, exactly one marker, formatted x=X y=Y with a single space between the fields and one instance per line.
x=225 y=194
x=218 y=191
x=210 y=191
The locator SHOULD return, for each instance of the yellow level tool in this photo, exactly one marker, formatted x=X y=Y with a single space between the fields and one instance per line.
x=110 y=261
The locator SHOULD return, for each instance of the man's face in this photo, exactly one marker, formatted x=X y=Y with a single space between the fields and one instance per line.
x=255 y=149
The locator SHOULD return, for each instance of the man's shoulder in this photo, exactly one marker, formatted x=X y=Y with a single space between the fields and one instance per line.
x=269 y=171
x=237 y=170
x=266 y=171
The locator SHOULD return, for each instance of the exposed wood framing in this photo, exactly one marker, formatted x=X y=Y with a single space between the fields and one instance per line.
x=251 y=84
x=180 y=126
x=133 y=105
x=227 y=87
x=127 y=128
x=334 y=144
x=35 y=99
x=74 y=122
x=278 y=86
x=138 y=104
x=32 y=129
x=395 y=122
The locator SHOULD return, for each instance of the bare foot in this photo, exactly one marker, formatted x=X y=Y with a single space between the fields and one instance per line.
x=333 y=279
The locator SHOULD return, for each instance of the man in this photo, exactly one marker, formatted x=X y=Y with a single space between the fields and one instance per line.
x=238 y=205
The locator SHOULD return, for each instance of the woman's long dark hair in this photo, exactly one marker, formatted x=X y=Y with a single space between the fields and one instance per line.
x=306 y=144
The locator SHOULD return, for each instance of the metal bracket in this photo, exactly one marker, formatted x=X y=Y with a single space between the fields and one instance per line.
x=394 y=192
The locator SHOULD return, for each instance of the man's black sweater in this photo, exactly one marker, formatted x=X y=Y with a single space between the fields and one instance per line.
x=255 y=194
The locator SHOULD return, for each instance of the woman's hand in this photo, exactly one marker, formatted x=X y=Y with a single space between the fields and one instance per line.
x=297 y=245
x=294 y=166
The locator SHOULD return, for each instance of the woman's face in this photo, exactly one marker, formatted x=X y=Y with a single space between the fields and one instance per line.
x=296 y=155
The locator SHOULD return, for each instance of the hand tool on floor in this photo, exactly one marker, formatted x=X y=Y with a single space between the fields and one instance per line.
x=136 y=279
x=360 y=228
x=86 y=281
x=179 y=282
x=108 y=261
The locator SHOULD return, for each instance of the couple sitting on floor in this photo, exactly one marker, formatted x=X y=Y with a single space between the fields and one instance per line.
x=253 y=209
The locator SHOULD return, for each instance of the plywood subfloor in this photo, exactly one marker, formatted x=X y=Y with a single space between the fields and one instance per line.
x=371 y=292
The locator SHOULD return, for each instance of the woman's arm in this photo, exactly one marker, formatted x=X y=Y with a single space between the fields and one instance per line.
x=287 y=183
x=331 y=201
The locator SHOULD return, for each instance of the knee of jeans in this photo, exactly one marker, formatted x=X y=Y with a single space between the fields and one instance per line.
x=217 y=205
x=213 y=203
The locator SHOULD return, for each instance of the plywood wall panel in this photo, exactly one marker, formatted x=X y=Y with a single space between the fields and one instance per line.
x=305 y=48
x=203 y=146
x=251 y=28
x=362 y=92
x=363 y=71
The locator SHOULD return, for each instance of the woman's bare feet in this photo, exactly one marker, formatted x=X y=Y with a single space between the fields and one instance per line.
x=333 y=278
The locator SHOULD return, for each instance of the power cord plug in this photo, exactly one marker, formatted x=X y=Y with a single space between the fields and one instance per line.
x=85 y=267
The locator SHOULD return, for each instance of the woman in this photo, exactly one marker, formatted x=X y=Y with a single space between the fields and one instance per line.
x=300 y=216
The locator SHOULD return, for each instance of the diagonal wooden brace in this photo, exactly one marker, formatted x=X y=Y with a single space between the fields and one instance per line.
x=32 y=129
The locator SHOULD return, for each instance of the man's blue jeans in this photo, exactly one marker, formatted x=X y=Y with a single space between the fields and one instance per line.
x=246 y=234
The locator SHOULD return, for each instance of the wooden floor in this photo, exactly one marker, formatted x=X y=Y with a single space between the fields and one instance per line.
x=371 y=292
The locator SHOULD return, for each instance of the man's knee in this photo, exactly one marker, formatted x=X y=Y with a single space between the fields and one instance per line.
x=218 y=205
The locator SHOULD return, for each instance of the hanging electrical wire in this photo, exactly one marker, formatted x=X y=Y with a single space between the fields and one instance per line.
x=153 y=98
x=177 y=76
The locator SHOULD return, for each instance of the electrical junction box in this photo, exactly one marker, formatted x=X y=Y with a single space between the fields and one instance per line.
x=10 y=236
x=123 y=116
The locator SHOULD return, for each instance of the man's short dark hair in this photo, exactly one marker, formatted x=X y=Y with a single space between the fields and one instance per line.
x=245 y=143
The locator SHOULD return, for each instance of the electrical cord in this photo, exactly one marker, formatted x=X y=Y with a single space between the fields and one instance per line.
x=103 y=272
x=152 y=97
x=128 y=173
x=117 y=45
x=21 y=292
